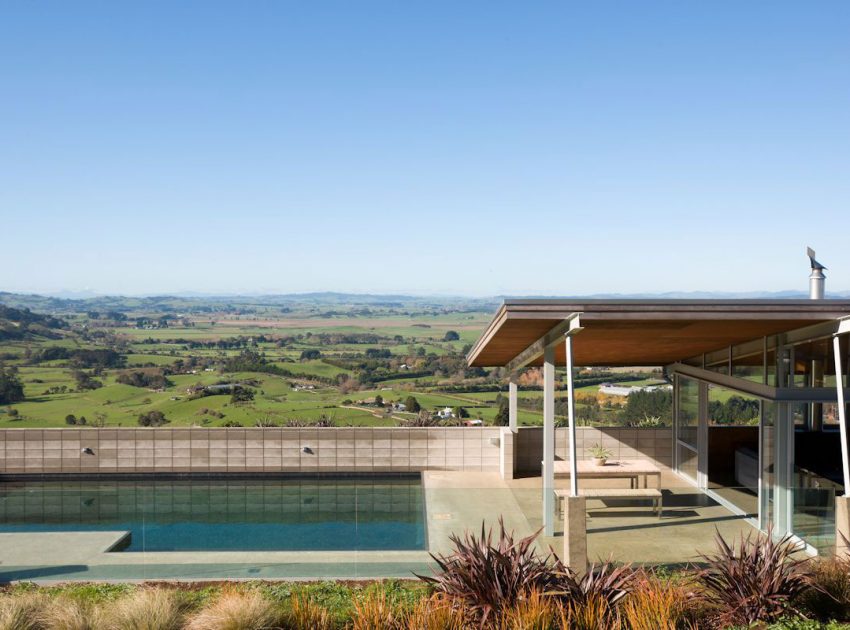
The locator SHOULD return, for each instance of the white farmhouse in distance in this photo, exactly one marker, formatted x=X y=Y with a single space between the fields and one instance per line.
x=609 y=389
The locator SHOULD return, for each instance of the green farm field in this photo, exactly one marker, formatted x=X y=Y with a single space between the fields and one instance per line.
x=301 y=363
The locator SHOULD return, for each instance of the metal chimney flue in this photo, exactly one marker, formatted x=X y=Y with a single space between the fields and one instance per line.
x=817 y=281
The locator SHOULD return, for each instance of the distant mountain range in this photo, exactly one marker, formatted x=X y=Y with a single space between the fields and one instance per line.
x=72 y=301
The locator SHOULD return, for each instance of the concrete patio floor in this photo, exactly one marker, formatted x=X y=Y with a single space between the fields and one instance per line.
x=630 y=532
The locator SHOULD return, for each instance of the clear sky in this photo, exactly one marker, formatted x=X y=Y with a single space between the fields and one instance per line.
x=474 y=148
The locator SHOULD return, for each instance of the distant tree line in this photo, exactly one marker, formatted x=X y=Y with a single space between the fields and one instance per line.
x=735 y=410
x=100 y=358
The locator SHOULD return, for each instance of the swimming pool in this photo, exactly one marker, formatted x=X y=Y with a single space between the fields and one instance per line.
x=324 y=514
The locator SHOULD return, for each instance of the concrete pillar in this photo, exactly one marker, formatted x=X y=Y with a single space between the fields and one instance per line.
x=842 y=527
x=575 y=534
x=549 y=441
x=507 y=453
x=512 y=405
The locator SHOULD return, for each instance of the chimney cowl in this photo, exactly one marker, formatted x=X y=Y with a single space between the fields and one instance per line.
x=817 y=280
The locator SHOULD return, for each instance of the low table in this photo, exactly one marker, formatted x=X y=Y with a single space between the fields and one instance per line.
x=633 y=469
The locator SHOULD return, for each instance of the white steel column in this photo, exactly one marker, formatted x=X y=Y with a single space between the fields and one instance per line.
x=842 y=409
x=549 y=441
x=512 y=404
x=571 y=414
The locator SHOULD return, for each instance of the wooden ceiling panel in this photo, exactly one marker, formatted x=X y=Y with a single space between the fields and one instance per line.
x=649 y=332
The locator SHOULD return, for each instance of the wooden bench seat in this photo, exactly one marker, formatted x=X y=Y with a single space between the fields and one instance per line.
x=615 y=493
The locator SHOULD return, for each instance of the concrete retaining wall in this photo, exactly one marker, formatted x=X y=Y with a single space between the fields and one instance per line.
x=248 y=450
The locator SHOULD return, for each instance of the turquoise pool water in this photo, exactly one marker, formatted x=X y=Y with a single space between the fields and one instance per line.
x=328 y=514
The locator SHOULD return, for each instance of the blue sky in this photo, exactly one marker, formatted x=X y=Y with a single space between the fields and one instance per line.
x=474 y=148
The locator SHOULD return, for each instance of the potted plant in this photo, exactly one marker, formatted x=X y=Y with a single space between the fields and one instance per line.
x=600 y=454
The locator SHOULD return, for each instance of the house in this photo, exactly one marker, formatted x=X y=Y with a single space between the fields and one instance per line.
x=445 y=413
x=399 y=406
x=784 y=465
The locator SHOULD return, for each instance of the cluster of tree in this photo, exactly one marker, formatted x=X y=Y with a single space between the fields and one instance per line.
x=11 y=388
x=412 y=405
x=150 y=379
x=451 y=335
x=503 y=413
x=229 y=343
x=86 y=381
x=56 y=389
x=735 y=410
x=242 y=394
x=654 y=403
x=148 y=322
x=99 y=358
x=74 y=420
x=153 y=419
x=307 y=355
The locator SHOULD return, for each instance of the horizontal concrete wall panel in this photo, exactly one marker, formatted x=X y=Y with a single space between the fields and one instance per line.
x=248 y=450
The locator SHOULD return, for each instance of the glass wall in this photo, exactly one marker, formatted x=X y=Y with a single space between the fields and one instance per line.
x=779 y=460
x=687 y=426
x=733 y=448
x=767 y=446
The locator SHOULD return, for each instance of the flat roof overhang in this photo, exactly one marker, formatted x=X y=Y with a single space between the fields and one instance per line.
x=643 y=332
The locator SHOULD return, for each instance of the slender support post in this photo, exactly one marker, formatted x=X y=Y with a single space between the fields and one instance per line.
x=549 y=441
x=842 y=410
x=571 y=414
x=512 y=404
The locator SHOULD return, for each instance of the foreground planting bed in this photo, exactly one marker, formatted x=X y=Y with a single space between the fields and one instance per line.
x=490 y=581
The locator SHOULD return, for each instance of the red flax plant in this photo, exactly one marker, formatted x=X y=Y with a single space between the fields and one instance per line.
x=490 y=576
x=755 y=582
x=591 y=602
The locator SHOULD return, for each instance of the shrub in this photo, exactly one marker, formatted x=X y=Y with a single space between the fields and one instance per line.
x=21 y=611
x=830 y=596
x=65 y=613
x=536 y=611
x=376 y=612
x=241 y=394
x=591 y=613
x=152 y=419
x=656 y=604
x=304 y=614
x=489 y=576
x=437 y=612
x=591 y=601
x=236 y=610
x=325 y=421
x=755 y=583
x=146 y=609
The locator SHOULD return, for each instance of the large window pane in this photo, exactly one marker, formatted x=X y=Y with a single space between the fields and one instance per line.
x=814 y=362
x=750 y=367
x=688 y=410
x=687 y=461
x=768 y=468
